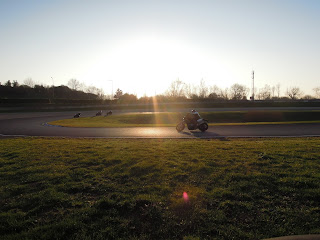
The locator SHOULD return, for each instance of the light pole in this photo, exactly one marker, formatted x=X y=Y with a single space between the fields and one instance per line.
x=111 y=88
x=52 y=88
x=252 y=86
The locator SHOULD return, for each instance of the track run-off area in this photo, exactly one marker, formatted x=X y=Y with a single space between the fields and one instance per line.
x=36 y=124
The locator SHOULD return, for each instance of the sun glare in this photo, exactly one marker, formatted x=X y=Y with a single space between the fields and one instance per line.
x=146 y=65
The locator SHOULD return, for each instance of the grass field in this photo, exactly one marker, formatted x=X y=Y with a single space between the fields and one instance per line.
x=170 y=119
x=54 y=188
x=36 y=105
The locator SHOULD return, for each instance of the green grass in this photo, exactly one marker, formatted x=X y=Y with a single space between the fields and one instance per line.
x=53 y=188
x=67 y=105
x=124 y=120
x=170 y=119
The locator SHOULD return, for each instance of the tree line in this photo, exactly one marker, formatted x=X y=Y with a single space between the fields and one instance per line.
x=236 y=92
x=177 y=91
x=180 y=91
x=31 y=90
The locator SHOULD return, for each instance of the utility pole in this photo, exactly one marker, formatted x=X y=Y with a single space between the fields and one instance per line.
x=252 y=98
x=52 y=88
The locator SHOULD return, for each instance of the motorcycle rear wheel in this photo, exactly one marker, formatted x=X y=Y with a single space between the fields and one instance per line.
x=180 y=127
x=203 y=127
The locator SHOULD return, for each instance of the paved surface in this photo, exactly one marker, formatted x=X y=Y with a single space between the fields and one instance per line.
x=34 y=124
x=298 y=237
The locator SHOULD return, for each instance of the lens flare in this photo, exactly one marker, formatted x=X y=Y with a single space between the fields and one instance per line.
x=185 y=197
x=156 y=109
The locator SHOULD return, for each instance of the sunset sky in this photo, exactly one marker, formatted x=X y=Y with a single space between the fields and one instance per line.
x=142 y=46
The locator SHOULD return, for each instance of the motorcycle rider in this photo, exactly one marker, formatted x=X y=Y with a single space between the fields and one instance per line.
x=193 y=121
x=77 y=115
x=99 y=113
x=195 y=113
x=193 y=117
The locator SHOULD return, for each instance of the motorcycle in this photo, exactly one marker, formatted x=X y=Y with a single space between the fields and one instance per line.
x=109 y=113
x=99 y=113
x=201 y=124
x=77 y=115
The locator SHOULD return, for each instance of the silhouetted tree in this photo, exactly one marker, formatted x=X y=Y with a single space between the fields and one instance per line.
x=190 y=91
x=100 y=93
x=203 y=89
x=29 y=82
x=128 y=98
x=317 y=91
x=146 y=99
x=176 y=89
x=278 y=89
x=225 y=93
x=8 y=83
x=273 y=89
x=294 y=93
x=216 y=93
x=264 y=93
x=15 y=84
x=74 y=84
x=307 y=97
x=238 y=92
x=118 y=94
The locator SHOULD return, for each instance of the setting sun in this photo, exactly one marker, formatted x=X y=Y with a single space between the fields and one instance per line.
x=146 y=65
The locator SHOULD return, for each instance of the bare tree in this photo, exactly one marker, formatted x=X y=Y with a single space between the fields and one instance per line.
x=29 y=82
x=203 y=89
x=215 y=92
x=74 y=84
x=307 y=97
x=176 y=89
x=278 y=89
x=100 y=93
x=225 y=93
x=190 y=91
x=238 y=92
x=294 y=93
x=273 y=89
x=264 y=93
x=317 y=91
x=81 y=87
x=91 y=89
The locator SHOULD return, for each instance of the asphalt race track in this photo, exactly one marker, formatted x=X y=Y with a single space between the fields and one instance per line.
x=34 y=124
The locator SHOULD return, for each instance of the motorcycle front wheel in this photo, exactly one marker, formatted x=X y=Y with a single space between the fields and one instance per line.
x=180 y=126
x=203 y=127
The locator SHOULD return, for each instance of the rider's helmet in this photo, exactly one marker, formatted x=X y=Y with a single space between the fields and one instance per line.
x=193 y=111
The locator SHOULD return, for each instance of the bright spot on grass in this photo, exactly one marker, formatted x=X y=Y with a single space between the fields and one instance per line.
x=185 y=197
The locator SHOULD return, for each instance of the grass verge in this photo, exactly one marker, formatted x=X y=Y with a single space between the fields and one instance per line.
x=133 y=189
x=170 y=119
